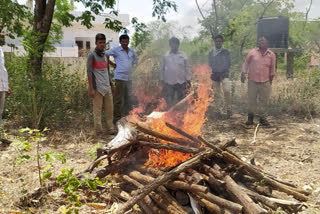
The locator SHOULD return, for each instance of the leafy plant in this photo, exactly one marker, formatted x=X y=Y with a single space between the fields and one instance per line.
x=70 y=186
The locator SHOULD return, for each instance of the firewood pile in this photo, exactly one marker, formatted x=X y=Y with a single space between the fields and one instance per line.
x=213 y=180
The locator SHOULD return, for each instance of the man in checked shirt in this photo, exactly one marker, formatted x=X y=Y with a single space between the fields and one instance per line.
x=259 y=66
x=175 y=75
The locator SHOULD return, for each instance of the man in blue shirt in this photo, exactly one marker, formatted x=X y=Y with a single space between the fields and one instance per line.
x=125 y=58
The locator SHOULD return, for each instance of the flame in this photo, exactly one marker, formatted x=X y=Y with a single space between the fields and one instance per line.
x=190 y=119
x=148 y=96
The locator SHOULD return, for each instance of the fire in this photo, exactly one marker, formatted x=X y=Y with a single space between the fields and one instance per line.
x=147 y=96
x=189 y=120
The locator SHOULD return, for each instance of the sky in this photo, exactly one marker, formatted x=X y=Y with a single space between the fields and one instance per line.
x=188 y=13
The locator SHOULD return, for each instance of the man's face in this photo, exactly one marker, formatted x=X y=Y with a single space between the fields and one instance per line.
x=101 y=45
x=124 y=43
x=174 y=46
x=262 y=43
x=218 y=42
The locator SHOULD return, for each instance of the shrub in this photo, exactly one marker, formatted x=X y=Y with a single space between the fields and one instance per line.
x=38 y=104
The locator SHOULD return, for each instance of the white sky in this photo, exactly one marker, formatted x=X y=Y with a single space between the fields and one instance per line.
x=188 y=13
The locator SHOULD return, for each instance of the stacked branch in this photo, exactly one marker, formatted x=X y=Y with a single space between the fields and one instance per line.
x=213 y=180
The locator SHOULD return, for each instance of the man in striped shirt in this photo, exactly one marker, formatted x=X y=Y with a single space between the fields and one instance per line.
x=259 y=66
x=100 y=85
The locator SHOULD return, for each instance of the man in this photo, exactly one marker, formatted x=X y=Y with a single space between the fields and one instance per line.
x=4 y=86
x=175 y=74
x=100 y=85
x=219 y=61
x=125 y=59
x=259 y=65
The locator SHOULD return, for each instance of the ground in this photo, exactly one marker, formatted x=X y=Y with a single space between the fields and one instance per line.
x=288 y=150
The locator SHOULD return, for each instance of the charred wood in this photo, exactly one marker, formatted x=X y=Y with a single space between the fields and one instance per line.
x=148 y=131
x=170 y=146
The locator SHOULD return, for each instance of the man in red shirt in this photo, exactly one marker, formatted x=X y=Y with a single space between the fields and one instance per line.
x=259 y=66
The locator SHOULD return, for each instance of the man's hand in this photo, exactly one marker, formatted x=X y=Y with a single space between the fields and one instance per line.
x=91 y=92
x=9 y=91
x=114 y=65
x=243 y=77
x=113 y=89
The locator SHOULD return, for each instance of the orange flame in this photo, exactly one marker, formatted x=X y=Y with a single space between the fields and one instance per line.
x=147 y=96
x=189 y=120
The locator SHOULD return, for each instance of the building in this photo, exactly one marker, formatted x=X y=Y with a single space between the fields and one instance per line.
x=77 y=40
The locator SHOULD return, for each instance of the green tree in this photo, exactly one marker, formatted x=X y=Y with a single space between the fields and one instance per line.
x=237 y=20
x=12 y=17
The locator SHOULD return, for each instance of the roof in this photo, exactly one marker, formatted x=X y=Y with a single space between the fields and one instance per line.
x=100 y=19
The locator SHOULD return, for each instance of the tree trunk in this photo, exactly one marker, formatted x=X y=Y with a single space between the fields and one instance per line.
x=43 y=14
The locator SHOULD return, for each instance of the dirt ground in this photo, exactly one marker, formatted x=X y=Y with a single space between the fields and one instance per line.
x=289 y=150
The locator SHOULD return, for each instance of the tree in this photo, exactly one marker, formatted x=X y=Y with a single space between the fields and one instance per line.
x=237 y=19
x=12 y=17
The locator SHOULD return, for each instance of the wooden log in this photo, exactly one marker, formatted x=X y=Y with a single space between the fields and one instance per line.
x=258 y=175
x=182 y=104
x=161 y=190
x=115 y=167
x=216 y=173
x=302 y=191
x=162 y=202
x=211 y=207
x=183 y=133
x=248 y=204
x=164 y=193
x=175 y=185
x=142 y=192
x=261 y=189
x=215 y=184
x=126 y=136
x=234 y=207
x=195 y=204
x=274 y=203
x=150 y=170
x=182 y=197
x=147 y=204
x=195 y=177
x=170 y=146
x=148 y=131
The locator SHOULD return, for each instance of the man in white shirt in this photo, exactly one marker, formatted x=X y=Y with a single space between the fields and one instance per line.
x=4 y=86
x=175 y=74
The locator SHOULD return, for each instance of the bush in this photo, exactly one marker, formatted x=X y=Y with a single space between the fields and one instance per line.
x=46 y=101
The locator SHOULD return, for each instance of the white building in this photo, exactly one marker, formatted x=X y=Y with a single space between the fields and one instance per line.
x=77 y=39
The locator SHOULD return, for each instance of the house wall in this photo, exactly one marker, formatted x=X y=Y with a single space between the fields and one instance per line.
x=59 y=52
x=72 y=64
